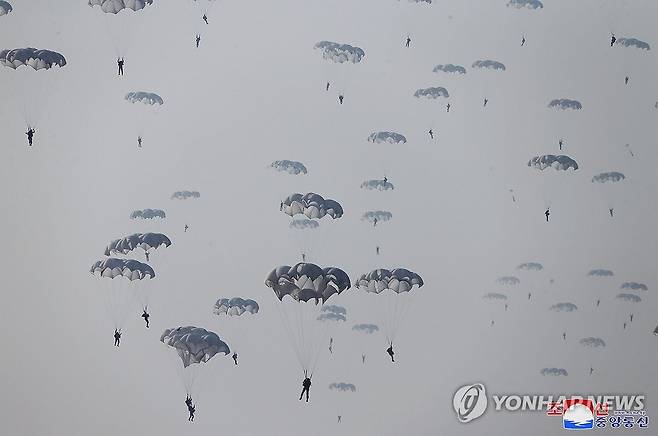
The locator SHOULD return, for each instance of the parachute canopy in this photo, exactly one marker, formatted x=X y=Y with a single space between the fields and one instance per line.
x=559 y=163
x=564 y=307
x=312 y=205
x=600 y=273
x=303 y=224
x=5 y=8
x=495 y=296
x=379 y=215
x=530 y=266
x=389 y=137
x=377 y=184
x=527 y=4
x=634 y=286
x=592 y=342
x=148 y=214
x=306 y=281
x=129 y=268
x=564 y=104
x=145 y=241
x=631 y=298
x=144 y=97
x=488 y=64
x=612 y=176
x=365 y=328
x=398 y=280
x=116 y=6
x=633 y=42
x=508 y=280
x=194 y=344
x=431 y=93
x=32 y=57
x=289 y=166
x=449 y=68
x=235 y=306
x=554 y=372
x=342 y=387
x=340 y=53
x=184 y=195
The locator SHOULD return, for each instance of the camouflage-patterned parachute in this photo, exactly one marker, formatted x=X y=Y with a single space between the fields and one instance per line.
x=5 y=8
x=303 y=224
x=377 y=184
x=31 y=57
x=312 y=205
x=508 y=281
x=149 y=98
x=600 y=273
x=388 y=137
x=116 y=6
x=632 y=43
x=630 y=298
x=449 y=68
x=378 y=215
x=289 y=166
x=635 y=286
x=431 y=93
x=611 y=177
x=565 y=104
x=554 y=372
x=365 y=328
x=145 y=241
x=340 y=53
x=342 y=387
x=564 y=307
x=307 y=282
x=148 y=214
x=235 y=306
x=184 y=195
x=525 y=4
x=488 y=64
x=592 y=342
x=559 y=162
x=530 y=266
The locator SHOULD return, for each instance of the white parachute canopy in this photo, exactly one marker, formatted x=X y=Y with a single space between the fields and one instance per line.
x=340 y=53
x=312 y=205
x=235 y=306
x=388 y=137
x=31 y=57
x=148 y=214
x=592 y=342
x=611 y=177
x=635 y=286
x=116 y=6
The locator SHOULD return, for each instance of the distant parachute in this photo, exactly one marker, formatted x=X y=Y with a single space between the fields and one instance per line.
x=129 y=268
x=554 y=372
x=116 y=6
x=634 y=286
x=342 y=386
x=631 y=298
x=289 y=166
x=32 y=57
x=565 y=104
x=379 y=215
x=564 y=307
x=398 y=280
x=530 y=266
x=340 y=53
x=632 y=42
x=5 y=8
x=600 y=273
x=527 y=4
x=148 y=214
x=592 y=342
x=559 y=162
x=145 y=241
x=235 y=306
x=332 y=308
x=312 y=205
x=144 y=97
x=365 y=328
x=389 y=137
x=333 y=313
x=508 y=280
x=608 y=177
x=184 y=195
x=377 y=184
x=449 y=68
x=495 y=296
x=431 y=93
x=303 y=224
x=488 y=64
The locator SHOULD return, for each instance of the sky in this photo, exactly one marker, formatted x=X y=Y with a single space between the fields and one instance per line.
x=254 y=92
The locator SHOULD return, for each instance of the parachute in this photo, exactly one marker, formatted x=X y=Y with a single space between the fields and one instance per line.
x=5 y=8
x=508 y=281
x=431 y=93
x=525 y=4
x=128 y=268
x=449 y=68
x=145 y=241
x=116 y=6
x=389 y=137
x=631 y=298
x=608 y=177
x=564 y=307
x=340 y=53
x=303 y=224
x=655 y=331
x=365 y=328
x=495 y=296
x=565 y=104
x=634 y=286
x=530 y=266
x=289 y=166
x=332 y=308
x=488 y=64
x=592 y=342
x=633 y=43
x=312 y=205
x=184 y=195
x=554 y=372
x=559 y=162
x=307 y=285
x=32 y=57
x=147 y=214
x=235 y=306
x=379 y=215
x=342 y=387
x=377 y=184
x=333 y=313
x=149 y=98
x=600 y=273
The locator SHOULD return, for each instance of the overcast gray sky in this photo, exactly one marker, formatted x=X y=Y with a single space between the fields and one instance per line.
x=253 y=93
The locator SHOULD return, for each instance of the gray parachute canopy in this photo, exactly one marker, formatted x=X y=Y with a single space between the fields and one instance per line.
x=564 y=307
x=379 y=215
x=633 y=42
x=508 y=280
x=194 y=344
x=340 y=53
x=145 y=241
x=592 y=342
x=235 y=306
x=612 y=176
x=554 y=372
x=144 y=97
x=488 y=64
x=655 y=331
x=312 y=205
x=306 y=281
x=148 y=214
x=129 y=268
x=635 y=286
x=559 y=163
x=530 y=266
x=342 y=386
x=333 y=312
x=303 y=224
x=389 y=137
x=32 y=57
x=631 y=298
x=527 y=4
x=398 y=280
x=333 y=308
x=600 y=273
x=495 y=296
x=184 y=195
x=365 y=328
x=289 y=166
x=431 y=93
x=377 y=184
x=116 y=6
x=5 y=8
x=449 y=68
x=565 y=104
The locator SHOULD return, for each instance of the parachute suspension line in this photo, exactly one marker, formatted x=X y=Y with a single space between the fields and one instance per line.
x=292 y=336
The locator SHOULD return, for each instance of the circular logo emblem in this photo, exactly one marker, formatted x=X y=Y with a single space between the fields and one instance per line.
x=470 y=402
